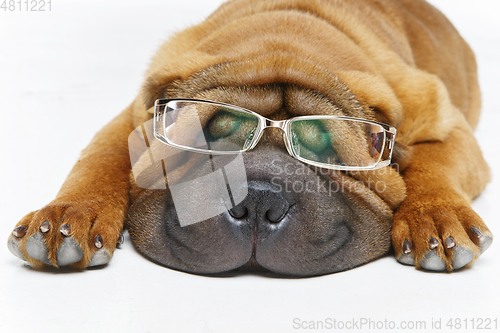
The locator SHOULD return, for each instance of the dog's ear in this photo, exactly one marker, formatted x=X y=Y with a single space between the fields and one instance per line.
x=156 y=87
x=401 y=157
x=414 y=101
x=375 y=92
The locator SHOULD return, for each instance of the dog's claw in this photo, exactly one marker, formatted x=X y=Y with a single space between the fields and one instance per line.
x=432 y=262
x=461 y=257
x=406 y=257
x=449 y=242
x=101 y=257
x=406 y=247
x=37 y=249
x=69 y=252
x=482 y=240
x=65 y=230
x=98 y=241
x=19 y=231
x=45 y=227
x=121 y=239
x=476 y=232
x=433 y=243
x=13 y=245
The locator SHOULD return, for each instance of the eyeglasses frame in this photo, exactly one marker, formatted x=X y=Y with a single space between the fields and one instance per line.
x=285 y=126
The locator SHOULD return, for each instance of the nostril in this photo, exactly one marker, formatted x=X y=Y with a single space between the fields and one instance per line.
x=264 y=203
x=238 y=212
x=274 y=215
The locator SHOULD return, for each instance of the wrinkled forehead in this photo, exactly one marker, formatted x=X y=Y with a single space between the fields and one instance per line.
x=279 y=100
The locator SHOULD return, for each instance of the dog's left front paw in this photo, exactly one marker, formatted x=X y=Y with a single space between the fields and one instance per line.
x=439 y=237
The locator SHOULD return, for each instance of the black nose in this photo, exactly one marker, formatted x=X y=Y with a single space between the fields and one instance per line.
x=264 y=203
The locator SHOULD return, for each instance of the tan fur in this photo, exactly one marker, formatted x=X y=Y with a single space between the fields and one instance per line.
x=402 y=62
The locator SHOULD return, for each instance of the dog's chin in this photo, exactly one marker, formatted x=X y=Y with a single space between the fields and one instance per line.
x=293 y=221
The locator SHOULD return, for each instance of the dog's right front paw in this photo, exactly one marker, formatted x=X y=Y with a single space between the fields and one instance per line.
x=58 y=235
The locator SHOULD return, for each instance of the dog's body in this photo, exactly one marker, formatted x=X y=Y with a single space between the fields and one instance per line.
x=397 y=62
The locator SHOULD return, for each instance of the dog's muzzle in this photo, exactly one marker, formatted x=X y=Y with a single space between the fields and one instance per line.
x=292 y=220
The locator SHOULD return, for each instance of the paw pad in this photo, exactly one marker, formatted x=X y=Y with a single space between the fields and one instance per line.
x=461 y=257
x=485 y=240
x=69 y=252
x=37 y=249
x=432 y=262
x=15 y=249
x=99 y=258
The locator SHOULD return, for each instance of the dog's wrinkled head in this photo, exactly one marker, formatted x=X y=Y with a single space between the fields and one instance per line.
x=295 y=219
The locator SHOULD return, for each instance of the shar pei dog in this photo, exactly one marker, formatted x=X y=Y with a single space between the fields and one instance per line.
x=335 y=130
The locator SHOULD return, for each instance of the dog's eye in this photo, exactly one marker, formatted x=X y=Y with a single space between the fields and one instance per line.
x=311 y=134
x=231 y=125
x=223 y=124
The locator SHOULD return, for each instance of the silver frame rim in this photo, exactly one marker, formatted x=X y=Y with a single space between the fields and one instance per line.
x=283 y=125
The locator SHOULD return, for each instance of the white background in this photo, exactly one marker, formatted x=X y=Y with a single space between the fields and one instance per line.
x=67 y=72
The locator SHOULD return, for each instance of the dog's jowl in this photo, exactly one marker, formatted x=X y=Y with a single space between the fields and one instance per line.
x=301 y=137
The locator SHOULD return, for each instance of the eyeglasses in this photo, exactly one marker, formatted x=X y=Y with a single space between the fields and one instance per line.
x=333 y=142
